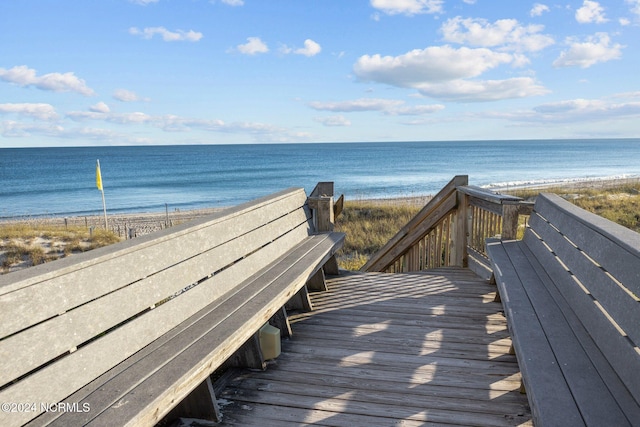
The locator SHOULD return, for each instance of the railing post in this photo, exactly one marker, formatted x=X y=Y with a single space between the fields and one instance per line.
x=322 y=204
x=325 y=219
x=458 y=256
x=510 y=215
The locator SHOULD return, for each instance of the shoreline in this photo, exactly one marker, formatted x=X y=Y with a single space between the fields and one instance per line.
x=146 y=222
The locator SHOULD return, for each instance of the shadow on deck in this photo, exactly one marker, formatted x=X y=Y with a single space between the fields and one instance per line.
x=379 y=349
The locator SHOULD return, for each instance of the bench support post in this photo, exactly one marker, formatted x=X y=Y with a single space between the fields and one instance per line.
x=317 y=282
x=200 y=403
x=281 y=321
x=249 y=355
x=331 y=267
x=300 y=301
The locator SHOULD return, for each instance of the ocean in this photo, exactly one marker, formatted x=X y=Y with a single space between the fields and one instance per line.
x=61 y=181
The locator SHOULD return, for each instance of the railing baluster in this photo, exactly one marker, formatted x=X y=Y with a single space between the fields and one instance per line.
x=451 y=229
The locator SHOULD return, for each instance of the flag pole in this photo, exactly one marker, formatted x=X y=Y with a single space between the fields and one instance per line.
x=99 y=185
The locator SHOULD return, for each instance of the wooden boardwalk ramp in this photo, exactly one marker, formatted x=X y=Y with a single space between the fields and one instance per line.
x=405 y=349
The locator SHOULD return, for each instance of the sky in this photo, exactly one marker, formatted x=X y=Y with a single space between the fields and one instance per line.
x=150 y=72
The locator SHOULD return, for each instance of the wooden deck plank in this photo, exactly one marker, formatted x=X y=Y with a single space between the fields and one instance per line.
x=389 y=349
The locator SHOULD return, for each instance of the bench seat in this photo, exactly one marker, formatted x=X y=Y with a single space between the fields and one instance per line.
x=255 y=259
x=569 y=291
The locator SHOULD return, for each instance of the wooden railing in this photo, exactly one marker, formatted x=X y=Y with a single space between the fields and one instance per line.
x=451 y=229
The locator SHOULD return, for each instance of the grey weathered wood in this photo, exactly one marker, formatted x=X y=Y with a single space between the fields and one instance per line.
x=376 y=372
x=417 y=227
x=191 y=363
x=604 y=352
x=300 y=301
x=200 y=404
x=527 y=334
x=331 y=267
x=130 y=337
x=459 y=233
x=249 y=355
x=70 y=282
x=317 y=282
x=280 y=320
x=222 y=341
x=324 y=218
x=205 y=264
x=615 y=299
x=408 y=236
x=479 y=193
x=510 y=215
x=609 y=244
x=52 y=338
x=567 y=289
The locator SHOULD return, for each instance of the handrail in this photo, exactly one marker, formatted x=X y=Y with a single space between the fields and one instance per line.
x=451 y=229
x=417 y=228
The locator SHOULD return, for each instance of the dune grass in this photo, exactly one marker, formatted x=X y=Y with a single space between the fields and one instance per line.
x=369 y=225
x=619 y=203
x=31 y=243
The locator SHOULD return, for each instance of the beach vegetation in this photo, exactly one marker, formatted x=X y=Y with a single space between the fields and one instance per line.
x=27 y=243
x=617 y=203
x=368 y=226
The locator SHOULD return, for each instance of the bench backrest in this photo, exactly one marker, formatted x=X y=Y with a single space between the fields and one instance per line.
x=595 y=265
x=87 y=313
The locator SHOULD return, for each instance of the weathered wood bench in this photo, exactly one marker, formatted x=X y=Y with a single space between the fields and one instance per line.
x=123 y=334
x=570 y=292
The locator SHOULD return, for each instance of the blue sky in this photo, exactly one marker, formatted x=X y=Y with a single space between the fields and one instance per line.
x=137 y=72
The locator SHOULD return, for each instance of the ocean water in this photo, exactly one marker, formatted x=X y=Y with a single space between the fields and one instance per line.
x=61 y=181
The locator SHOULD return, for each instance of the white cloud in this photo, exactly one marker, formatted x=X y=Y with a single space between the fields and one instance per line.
x=125 y=95
x=416 y=110
x=333 y=121
x=56 y=82
x=173 y=123
x=310 y=48
x=590 y=12
x=594 y=49
x=253 y=46
x=635 y=6
x=37 y=111
x=362 y=104
x=233 y=2
x=445 y=73
x=483 y=91
x=577 y=111
x=143 y=2
x=100 y=107
x=14 y=129
x=506 y=33
x=433 y=64
x=168 y=36
x=538 y=9
x=408 y=7
x=470 y=1
x=390 y=107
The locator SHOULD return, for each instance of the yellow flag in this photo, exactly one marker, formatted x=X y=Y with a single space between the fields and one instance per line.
x=98 y=176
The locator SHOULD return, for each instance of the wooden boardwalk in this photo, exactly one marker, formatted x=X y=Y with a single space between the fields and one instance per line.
x=407 y=349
